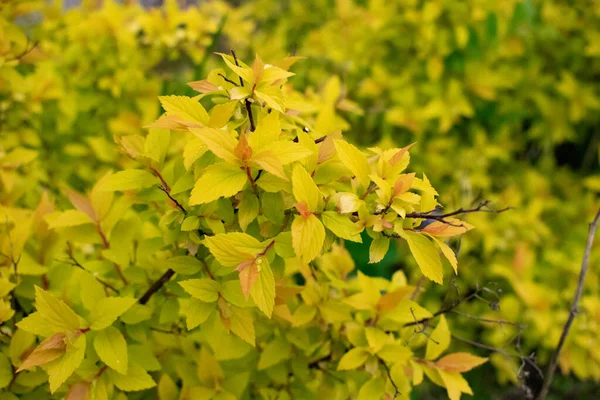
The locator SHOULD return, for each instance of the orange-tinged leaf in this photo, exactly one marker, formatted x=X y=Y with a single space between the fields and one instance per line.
x=460 y=362
x=403 y=183
x=451 y=227
x=248 y=275
x=49 y=350
x=398 y=156
x=81 y=203
x=203 y=86
x=79 y=391
x=243 y=151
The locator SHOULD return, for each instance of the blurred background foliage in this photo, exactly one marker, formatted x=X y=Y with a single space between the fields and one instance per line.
x=502 y=99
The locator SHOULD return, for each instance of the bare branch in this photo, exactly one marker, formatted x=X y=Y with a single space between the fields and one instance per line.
x=482 y=207
x=574 y=308
x=156 y=286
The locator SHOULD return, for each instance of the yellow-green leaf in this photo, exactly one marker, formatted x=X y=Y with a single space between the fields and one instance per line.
x=341 y=226
x=108 y=310
x=130 y=179
x=58 y=316
x=353 y=359
x=263 y=291
x=136 y=379
x=111 y=347
x=185 y=108
x=439 y=340
x=231 y=249
x=206 y=289
x=61 y=369
x=218 y=180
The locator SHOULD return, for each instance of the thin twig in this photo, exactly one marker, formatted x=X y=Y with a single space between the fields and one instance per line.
x=574 y=307
x=482 y=207
x=178 y=204
x=75 y=263
x=389 y=374
x=228 y=80
x=443 y=310
x=246 y=101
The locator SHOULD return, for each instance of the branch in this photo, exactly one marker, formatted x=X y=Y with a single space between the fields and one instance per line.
x=443 y=310
x=156 y=286
x=482 y=207
x=178 y=204
x=74 y=262
x=574 y=308
x=389 y=374
x=246 y=101
x=228 y=80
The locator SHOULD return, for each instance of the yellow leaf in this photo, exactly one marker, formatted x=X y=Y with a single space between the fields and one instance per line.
x=221 y=113
x=455 y=384
x=448 y=253
x=354 y=160
x=267 y=132
x=263 y=292
x=270 y=163
x=218 y=180
x=308 y=236
x=184 y=107
x=221 y=143
x=304 y=188
x=232 y=249
x=439 y=340
x=425 y=253
x=353 y=359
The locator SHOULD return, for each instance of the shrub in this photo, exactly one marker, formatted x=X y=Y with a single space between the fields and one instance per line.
x=220 y=270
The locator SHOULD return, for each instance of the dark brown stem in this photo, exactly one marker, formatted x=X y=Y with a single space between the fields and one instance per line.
x=482 y=207
x=228 y=80
x=178 y=204
x=247 y=101
x=574 y=308
x=317 y=141
x=156 y=286
x=162 y=180
x=389 y=374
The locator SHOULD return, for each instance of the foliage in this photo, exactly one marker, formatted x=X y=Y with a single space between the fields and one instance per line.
x=502 y=101
x=247 y=211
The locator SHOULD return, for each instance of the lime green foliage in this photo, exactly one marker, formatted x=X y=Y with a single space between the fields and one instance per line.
x=254 y=294
x=489 y=90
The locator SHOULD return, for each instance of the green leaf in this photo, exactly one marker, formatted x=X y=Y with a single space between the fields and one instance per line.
x=263 y=291
x=108 y=310
x=231 y=249
x=304 y=188
x=111 y=347
x=206 y=289
x=136 y=379
x=425 y=253
x=354 y=160
x=21 y=343
x=218 y=180
x=247 y=210
x=276 y=351
x=439 y=340
x=185 y=108
x=60 y=370
x=185 y=265
x=190 y=224
x=58 y=316
x=353 y=359
x=6 y=372
x=232 y=292
x=167 y=389
x=308 y=236
x=341 y=226
x=197 y=312
x=130 y=179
